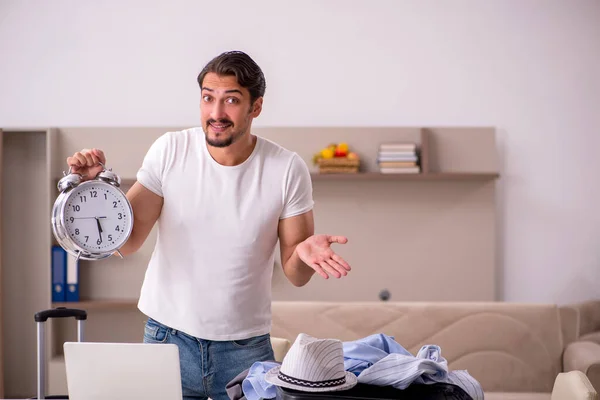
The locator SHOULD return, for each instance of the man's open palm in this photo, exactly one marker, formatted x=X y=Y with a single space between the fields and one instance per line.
x=316 y=252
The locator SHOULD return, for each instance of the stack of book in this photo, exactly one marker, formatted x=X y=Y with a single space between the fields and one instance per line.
x=398 y=158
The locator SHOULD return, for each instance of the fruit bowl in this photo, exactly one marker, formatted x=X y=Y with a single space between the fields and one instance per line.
x=337 y=158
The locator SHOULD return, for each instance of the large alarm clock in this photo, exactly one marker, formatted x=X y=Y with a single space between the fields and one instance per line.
x=91 y=220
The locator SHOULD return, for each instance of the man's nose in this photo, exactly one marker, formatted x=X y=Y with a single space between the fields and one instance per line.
x=218 y=111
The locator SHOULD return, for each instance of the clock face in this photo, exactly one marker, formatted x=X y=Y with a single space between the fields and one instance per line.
x=97 y=217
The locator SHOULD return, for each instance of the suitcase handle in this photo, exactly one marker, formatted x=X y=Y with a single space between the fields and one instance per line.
x=40 y=319
x=60 y=312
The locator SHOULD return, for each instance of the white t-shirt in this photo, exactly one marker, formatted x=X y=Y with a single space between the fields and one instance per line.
x=210 y=272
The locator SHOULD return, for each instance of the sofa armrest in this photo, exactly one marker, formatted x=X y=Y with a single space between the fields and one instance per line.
x=573 y=385
x=280 y=347
x=583 y=356
x=591 y=337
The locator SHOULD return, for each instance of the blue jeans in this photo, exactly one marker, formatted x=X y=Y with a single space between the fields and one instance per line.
x=206 y=365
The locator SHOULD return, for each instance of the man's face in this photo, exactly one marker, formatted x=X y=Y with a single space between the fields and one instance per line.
x=226 y=112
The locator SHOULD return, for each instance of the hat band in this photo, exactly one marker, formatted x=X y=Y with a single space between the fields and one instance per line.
x=302 y=382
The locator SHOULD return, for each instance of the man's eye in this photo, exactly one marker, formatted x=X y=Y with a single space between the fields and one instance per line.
x=232 y=100
x=206 y=98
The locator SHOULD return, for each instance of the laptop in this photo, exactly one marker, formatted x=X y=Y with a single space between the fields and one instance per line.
x=122 y=371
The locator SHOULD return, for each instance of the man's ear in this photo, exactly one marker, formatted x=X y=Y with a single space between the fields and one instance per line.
x=256 y=107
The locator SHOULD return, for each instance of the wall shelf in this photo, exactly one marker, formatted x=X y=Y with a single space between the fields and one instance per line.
x=431 y=176
x=378 y=176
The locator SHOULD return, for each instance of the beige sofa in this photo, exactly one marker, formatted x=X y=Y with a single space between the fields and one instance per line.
x=514 y=350
x=582 y=351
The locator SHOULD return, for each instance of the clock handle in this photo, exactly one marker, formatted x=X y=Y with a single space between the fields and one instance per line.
x=69 y=180
x=108 y=175
x=71 y=172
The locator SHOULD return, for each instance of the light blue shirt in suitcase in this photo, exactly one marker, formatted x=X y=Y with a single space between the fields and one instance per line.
x=255 y=386
x=380 y=360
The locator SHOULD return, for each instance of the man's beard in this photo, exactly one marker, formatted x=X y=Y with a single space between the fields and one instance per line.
x=223 y=142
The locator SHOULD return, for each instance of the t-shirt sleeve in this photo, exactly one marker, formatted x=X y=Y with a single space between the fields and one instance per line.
x=298 y=189
x=150 y=174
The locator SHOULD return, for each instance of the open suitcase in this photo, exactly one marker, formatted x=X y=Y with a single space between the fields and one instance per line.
x=40 y=319
x=436 y=391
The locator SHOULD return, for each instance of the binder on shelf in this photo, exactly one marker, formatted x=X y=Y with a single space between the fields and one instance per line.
x=59 y=273
x=72 y=289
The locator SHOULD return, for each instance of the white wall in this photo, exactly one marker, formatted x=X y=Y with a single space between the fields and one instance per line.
x=530 y=68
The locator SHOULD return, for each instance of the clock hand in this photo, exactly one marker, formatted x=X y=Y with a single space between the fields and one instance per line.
x=99 y=229
x=87 y=217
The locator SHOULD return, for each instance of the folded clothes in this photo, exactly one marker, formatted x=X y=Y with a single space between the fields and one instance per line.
x=379 y=360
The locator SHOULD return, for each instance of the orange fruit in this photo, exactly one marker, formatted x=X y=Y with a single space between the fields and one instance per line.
x=342 y=147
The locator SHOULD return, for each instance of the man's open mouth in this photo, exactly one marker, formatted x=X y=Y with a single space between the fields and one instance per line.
x=219 y=126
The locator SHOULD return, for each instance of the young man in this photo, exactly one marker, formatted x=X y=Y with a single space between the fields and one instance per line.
x=222 y=198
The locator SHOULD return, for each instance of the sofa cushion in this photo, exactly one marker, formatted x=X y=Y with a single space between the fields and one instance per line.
x=507 y=347
x=517 y=396
x=573 y=385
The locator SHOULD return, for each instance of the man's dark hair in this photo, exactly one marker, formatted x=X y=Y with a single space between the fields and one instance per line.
x=238 y=64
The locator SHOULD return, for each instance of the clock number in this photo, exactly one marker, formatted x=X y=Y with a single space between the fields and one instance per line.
x=114 y=204
x=120 y=216
x=98 y=241
x=118 y=229
x=77 y=231
x=105 y=198
x=83 y=199
x=71 y=219
x=110 y=238
x=76 y=208
x=93 y=193
x=87 y=238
